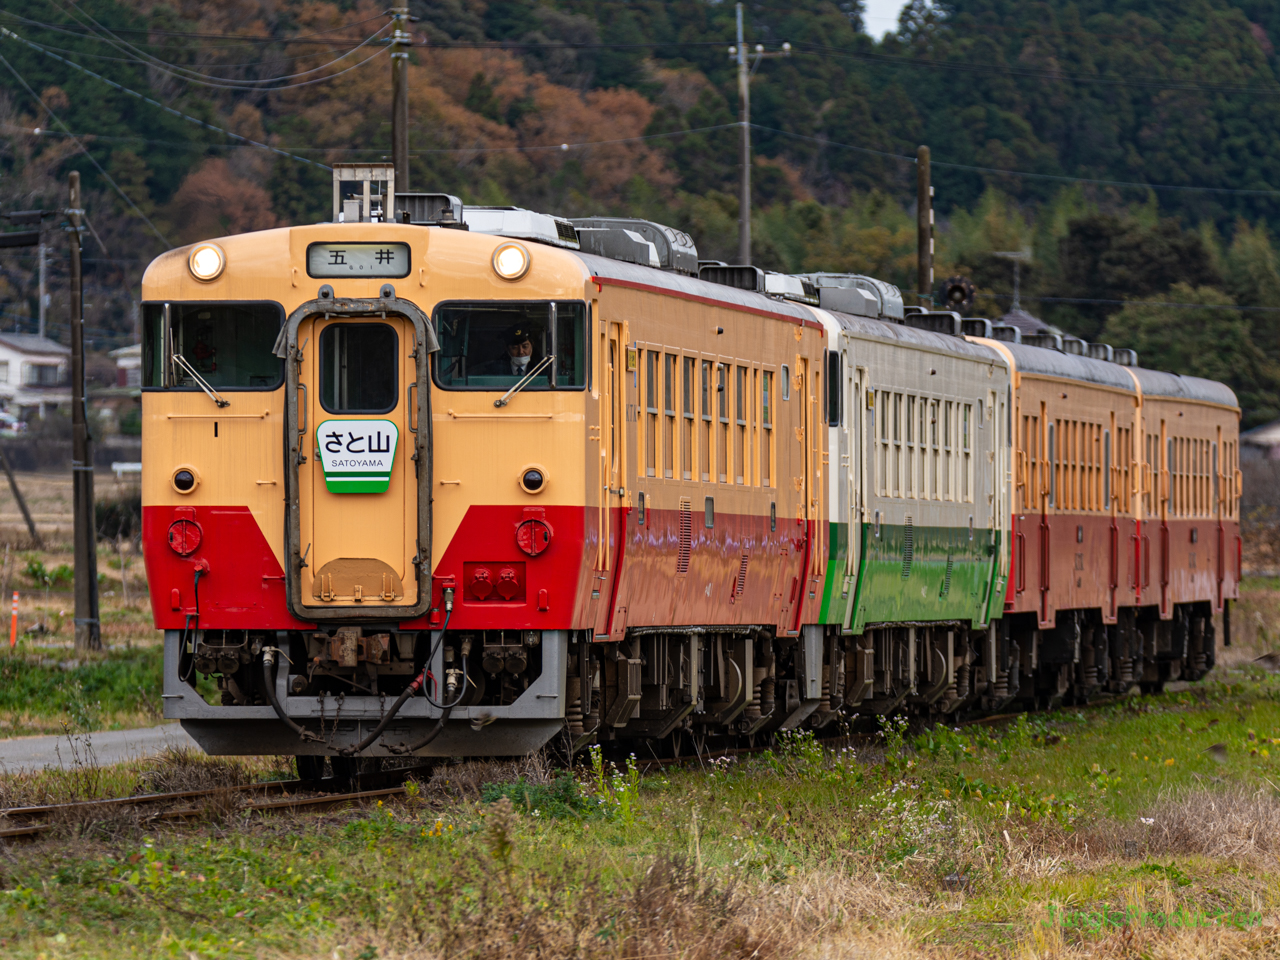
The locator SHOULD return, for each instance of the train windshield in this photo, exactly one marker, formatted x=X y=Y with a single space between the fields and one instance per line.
x=228 y=344
x=495 y=345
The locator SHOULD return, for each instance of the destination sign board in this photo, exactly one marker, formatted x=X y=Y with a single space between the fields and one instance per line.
x=357 y=455
x=369 y=260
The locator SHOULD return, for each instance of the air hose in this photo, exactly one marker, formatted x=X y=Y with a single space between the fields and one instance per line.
x=269 y=682
x=410 y=690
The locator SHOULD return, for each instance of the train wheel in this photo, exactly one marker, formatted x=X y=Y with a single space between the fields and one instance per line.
x=1152 y=686
x=309 y=767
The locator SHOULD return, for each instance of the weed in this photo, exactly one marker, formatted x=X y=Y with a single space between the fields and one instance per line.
x=562 y=797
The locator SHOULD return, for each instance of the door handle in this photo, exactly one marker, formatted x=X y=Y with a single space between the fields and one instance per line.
x=408 y=394
x=303 y=388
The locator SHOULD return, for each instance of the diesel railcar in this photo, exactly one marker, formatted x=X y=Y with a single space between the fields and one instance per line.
x=455 y=481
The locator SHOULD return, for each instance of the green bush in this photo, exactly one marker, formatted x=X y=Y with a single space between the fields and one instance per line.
x=38 y=572
x=559 y=798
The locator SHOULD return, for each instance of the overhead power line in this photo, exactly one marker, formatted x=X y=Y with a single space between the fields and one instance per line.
x=106 y=176
x=4 y=32
x=1135 y=303
x=1019 y=173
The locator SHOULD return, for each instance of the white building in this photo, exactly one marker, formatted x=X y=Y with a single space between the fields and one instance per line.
x=128 y=365
x=35 y=374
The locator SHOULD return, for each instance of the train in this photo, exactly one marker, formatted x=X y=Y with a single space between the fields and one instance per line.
x=433 y=480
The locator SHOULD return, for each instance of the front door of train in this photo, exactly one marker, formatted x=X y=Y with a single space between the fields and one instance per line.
x=357 y=466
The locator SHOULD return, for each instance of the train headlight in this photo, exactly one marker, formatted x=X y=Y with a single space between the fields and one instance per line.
x=533 y=479
x=511 y=261
x=185 y=479
x=206 y=261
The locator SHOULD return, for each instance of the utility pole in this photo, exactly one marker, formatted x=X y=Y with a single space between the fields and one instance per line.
x=88 y=629
x=1019 y=257
x=744 y=108
x=44 y=295
x=924 y=229
x=400 y=99
x=739 y=52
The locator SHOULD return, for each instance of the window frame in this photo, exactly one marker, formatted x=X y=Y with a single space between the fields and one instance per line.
x=195 y=388
x=395 y=366
x=553 y=324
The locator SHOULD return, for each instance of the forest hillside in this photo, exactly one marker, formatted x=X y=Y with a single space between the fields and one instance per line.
x=1133 y=148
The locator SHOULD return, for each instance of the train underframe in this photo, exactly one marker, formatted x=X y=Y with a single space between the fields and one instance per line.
x=512 y=692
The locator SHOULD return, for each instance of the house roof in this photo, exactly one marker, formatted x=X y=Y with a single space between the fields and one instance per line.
x=122 y=353
x=1267 y=435
x=32 y=343
x=1017 y=317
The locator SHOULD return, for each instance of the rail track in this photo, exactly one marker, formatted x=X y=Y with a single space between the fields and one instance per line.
x=20 y=823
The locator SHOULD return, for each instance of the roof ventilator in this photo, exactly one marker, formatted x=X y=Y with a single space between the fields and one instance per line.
x=782 y=286
x=638 y=241
x=1100 y=351
x=1049 y=341
x=1074 y=346
x=1006 y=333
x=976 y=327
x=937 y=321
x=1126 y=358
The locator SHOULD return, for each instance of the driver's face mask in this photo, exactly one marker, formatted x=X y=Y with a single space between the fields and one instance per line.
x=521 y=364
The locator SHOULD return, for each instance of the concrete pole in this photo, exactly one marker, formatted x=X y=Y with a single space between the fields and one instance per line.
x=44 y=292
x=400 y=99
x=88 y=633
x=744 y=99
x=924 y=229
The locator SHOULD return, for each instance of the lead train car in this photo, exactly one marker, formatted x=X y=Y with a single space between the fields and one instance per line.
x=705 y=512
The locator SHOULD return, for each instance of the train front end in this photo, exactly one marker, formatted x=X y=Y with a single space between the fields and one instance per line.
x=357 y=435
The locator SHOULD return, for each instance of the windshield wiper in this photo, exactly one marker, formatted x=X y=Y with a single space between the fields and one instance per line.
x=542 y=364
x=200 y=381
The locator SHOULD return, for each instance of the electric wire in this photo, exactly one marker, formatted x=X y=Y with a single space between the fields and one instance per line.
x=222 y=66
x=194 y=76
x=5 y=32
x=106 y=176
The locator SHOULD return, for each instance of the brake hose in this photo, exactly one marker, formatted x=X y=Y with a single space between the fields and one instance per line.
x=269 y=678
x=410 y=690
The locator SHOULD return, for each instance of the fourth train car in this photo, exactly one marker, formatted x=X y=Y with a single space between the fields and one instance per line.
x=440 y=480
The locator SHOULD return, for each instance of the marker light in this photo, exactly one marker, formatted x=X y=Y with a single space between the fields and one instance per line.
x=207 y=261
x=511 y=261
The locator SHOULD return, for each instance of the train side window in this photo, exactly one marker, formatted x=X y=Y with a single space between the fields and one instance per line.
x=1053 y=471
x=766 y=422
x=231 y=345
x=686 y=422
x=670 y=391
x=640 y=508
x=834 y=382
x=706 y=439
x=482 y=345
x=785 y=382
x=651 y=413
x=1106 y=470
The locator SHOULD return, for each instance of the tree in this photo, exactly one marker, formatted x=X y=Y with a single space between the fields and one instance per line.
x=1211 y=340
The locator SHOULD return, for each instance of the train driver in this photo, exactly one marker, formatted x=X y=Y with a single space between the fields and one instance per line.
x=514 y=362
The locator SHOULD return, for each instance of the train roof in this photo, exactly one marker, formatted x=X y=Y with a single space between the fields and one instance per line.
x=1157 y=383
x=668 y=282
x=1051 y=363
x=913 y=337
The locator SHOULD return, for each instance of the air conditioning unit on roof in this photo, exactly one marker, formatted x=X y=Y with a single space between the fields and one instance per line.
x=638 y=241
x=520 y=224
x=858 y=295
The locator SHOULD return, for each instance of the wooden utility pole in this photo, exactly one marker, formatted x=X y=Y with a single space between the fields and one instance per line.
x=400 y=98
x=924 y=229
x=88 y=629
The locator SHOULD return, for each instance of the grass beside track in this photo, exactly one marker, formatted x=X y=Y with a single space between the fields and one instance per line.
x=1110 y=831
